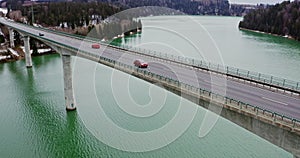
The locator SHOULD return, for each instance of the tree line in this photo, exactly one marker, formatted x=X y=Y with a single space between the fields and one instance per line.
x=74 y=14
x=80 y=15
x=281 y=19
x=191 y=7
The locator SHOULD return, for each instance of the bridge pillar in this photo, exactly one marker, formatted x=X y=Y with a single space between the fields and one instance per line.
x=11 y=37
x=27 y=52
x=68 y=82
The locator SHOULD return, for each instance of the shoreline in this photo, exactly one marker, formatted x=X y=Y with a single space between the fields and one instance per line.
x=267 y=33
x=7 y=60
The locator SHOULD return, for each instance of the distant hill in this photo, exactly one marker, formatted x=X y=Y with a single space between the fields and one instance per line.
x=192 y=7
x=282 y=19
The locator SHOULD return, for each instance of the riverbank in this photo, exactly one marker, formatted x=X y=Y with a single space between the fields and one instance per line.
x=256 y=31
x=19 y=54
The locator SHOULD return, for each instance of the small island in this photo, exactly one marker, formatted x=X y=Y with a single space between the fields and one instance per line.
x=281 y=19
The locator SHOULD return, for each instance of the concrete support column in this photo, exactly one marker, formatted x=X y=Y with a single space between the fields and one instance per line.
x=68 y=87
x=11 y=37
x=27 y=52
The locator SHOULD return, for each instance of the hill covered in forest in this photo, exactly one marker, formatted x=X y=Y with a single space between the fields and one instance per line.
x=281 y=19
x=192 y=7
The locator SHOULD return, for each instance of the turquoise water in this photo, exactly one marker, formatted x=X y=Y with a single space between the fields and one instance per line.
x=34 y=122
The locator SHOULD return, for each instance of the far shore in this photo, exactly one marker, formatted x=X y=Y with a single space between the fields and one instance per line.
x=256 y=31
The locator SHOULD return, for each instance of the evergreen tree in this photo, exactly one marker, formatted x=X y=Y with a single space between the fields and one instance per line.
x=281 y=19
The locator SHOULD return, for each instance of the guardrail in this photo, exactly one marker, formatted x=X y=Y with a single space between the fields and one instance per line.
x=255 y=111
x=259 y=78
x=277 y=117
x=269 y=80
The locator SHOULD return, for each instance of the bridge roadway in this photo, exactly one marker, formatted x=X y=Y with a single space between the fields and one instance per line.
x=274 y=101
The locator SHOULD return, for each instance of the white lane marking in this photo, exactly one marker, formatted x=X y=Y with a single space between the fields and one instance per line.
x=275 y=101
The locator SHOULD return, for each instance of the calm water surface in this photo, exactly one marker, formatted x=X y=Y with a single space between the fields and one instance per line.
x=34 y=122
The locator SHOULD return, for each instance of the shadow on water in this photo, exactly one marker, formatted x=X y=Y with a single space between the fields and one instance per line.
x=2 y=66
x=53 y=131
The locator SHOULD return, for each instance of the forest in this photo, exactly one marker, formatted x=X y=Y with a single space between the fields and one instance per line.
x=79 y=15
x=281 y=19
x=73 y=13
x=191 y=7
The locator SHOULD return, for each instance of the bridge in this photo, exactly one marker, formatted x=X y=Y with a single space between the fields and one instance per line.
x=265 y=105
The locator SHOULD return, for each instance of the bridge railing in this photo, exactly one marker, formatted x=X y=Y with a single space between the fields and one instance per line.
x=260 y=78
x=76 y=36
x=256 y=111
x=269 y=80
x=234 y=72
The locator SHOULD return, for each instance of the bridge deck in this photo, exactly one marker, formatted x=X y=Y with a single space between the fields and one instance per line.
x=287 y=105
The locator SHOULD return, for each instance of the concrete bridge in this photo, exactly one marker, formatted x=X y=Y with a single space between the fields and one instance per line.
x=265 y=105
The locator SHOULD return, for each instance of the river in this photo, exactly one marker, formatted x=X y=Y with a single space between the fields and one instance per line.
x=34 y=122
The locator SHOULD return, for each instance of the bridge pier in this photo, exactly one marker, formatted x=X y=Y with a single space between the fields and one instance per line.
x=68 y=82
x=27 y=52
x=11 y=37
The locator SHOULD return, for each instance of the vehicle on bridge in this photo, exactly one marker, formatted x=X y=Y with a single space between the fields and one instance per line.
x=96 y=46
x=140 y=63
x=41 y=34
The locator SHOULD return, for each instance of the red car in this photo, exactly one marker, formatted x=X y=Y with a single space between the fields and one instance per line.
x=96 y=46
x=140 y=63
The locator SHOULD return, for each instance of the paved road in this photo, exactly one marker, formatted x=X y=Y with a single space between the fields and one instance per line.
x=273 y=101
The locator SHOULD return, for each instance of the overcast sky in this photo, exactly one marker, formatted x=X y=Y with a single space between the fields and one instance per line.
x=255 y=1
